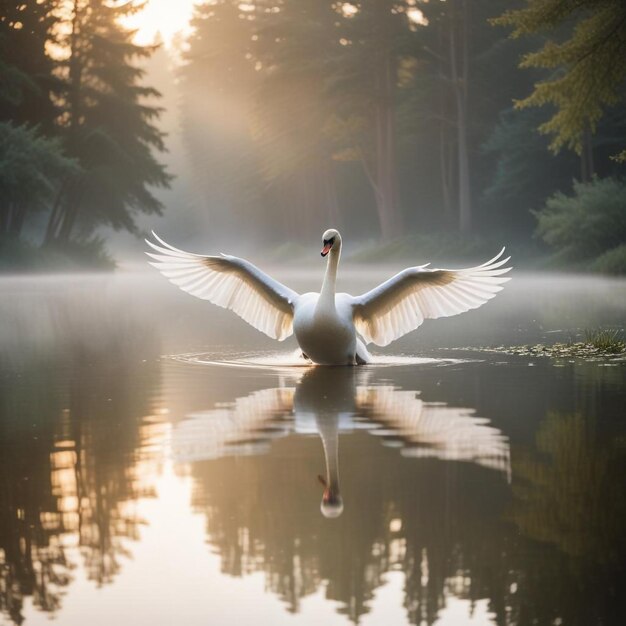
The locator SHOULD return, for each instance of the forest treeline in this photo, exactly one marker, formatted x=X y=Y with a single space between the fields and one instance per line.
x=78 y=132
x=402 y=121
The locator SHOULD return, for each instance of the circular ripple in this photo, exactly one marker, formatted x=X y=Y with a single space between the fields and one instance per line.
x=294 y=360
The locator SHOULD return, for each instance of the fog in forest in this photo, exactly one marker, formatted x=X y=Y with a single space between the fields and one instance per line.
x=421 y=130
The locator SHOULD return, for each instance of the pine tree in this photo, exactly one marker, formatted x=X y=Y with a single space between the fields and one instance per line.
x=27 y=72
x=108 y=124
x=32 y=162
x=585 y=56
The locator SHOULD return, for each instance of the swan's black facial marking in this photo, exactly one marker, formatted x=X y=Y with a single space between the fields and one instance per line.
x=328 y=244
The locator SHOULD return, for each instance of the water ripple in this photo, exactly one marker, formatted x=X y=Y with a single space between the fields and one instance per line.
x=293 y=360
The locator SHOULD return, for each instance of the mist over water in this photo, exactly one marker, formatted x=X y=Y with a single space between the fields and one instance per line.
x=162 y=462
x=144 y=475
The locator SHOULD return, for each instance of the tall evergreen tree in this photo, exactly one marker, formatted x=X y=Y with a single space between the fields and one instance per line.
x=107 y=124
x=584 y=54
x=32 y=162
x=27 y=71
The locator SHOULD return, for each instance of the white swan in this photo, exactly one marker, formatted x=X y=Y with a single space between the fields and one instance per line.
x=331 y=328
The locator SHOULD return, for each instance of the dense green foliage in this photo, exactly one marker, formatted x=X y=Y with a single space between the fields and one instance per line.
x=27 y=71
x=77 y=127
x=586 y=49
x=30 y=169
x=583 y=226
x=108 y=125
x=613 y=261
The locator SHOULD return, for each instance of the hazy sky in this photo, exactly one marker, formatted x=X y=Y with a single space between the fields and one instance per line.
x=167 y=17
x=170 y=17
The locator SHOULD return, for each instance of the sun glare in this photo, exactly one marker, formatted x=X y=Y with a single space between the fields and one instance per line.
x=164 y=18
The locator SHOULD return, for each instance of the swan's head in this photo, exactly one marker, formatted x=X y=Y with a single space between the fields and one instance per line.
x=331 y=505
x=330 y=239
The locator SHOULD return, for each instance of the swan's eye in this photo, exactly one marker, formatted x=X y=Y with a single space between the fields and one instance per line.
x=329 y=242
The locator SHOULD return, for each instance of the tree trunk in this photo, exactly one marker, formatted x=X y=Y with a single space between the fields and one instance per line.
x=384 y=127
x=445 y=168
x=56 y=214
x=66 y=225
x=446 y=153
x=316 y=197
x=330 y=193
x=67 y=205
x=459 y=76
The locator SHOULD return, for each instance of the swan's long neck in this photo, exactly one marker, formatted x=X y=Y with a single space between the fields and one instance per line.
x=329 y=432
x=327 y=294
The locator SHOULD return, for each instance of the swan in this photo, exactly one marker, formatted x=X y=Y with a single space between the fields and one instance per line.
x=331 y=328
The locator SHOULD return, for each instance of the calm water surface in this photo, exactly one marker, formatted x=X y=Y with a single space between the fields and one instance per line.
x=163 y=463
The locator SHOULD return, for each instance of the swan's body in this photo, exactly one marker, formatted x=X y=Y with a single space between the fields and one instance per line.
x=331 y=328
x=326 y=332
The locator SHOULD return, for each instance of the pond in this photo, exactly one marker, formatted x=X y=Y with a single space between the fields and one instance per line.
x=162 y=462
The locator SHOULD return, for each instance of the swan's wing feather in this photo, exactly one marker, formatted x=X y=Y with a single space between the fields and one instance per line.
x=428 y=429
x=245 y=427
x=231 y=283
x=403 y=302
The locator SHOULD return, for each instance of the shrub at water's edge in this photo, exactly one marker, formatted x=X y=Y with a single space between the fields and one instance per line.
x=609 y=341
x=587 y=229
x=611 y=262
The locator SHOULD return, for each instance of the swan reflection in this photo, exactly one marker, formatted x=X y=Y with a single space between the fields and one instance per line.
x=330 y=401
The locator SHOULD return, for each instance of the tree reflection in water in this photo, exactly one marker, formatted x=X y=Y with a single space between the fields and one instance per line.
x=71 y=430
x=541 y=540
x=428 y=489
x=399 y=513
x=570 y=495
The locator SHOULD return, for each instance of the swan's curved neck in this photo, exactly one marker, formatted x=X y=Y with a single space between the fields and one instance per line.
x=327 y=294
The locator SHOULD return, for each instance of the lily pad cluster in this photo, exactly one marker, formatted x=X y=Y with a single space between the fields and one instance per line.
x=580 y=349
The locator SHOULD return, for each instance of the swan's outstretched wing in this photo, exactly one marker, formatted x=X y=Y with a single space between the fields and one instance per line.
x=246 y=427
x=433 y=430
x=403 y=302
x=231 y=283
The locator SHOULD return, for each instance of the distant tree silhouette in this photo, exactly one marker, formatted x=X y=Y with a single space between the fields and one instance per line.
x=107 y=124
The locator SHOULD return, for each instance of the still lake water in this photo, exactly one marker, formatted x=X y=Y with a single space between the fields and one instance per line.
x=144 y=481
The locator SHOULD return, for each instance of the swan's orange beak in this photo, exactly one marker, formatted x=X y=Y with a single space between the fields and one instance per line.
x=326 y=249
